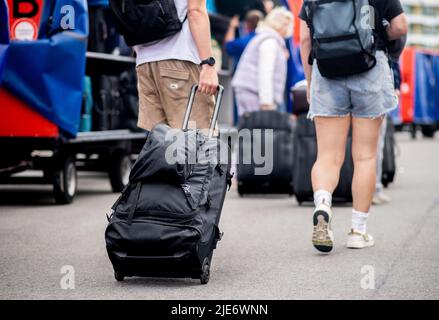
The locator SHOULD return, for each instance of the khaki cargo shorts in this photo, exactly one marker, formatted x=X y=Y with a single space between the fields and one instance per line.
x=164 y=88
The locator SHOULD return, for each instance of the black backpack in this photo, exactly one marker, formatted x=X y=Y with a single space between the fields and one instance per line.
x=145 y=21
x=343 y=42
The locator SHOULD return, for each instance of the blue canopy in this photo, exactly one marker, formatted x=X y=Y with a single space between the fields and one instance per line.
x=48 y=73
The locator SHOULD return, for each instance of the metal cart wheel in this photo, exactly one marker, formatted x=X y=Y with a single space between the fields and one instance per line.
x=65 y=181
x=300 y=199
x=241 y=189
x=119 y=171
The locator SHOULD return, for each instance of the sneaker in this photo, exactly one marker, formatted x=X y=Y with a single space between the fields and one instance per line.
x=380 y=198
x=357 y=240
x=322 y=236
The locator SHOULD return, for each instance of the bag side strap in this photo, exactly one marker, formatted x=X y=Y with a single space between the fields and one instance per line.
x=134 y=205
x=310 y=9
x=372 y=56
x=121 y=197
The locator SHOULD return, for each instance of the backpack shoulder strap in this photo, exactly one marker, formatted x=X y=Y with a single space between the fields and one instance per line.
x=310 y=7
x=133 y=207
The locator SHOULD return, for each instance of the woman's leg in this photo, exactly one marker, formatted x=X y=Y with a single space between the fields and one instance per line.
x=332 y=134
x=365 y=133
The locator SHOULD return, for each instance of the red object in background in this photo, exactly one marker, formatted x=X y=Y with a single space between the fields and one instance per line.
x=24 y=16
x=408 y=85
x=295 y=6
x=18 y=120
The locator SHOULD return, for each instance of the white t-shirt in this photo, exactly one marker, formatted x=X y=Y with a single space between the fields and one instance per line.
x=180 y=46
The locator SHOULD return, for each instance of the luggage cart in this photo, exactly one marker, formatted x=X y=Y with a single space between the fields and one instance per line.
x=59 y=159
x=30 y=142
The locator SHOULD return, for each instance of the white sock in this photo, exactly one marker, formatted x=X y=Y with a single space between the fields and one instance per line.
x=322 y=196
x=359 y=221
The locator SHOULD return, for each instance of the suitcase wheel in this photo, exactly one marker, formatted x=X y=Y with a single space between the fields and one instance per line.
x=205 y=271
x=241 y=190
x=119 y=276
x=300 y=199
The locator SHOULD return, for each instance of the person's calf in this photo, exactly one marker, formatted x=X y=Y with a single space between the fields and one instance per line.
x=363 y=183
x=325 y=174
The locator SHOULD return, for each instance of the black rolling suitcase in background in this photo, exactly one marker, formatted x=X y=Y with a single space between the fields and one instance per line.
x=389 y=162
x=280 y=179
x=165 y=223
x=130 y=101
x=108 y=103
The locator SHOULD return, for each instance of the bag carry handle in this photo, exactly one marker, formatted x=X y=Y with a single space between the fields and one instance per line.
x=215 y=114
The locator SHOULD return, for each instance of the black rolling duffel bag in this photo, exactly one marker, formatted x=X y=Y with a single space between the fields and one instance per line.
x=278 y=147
x=165 y=223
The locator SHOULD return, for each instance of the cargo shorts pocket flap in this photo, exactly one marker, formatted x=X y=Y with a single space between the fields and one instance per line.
x=174 y=74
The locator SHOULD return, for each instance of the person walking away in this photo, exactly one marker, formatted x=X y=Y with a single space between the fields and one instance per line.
x=259 y=80
x=168 y=68
x=380 y=197
x=360 y=93
x=235 y=46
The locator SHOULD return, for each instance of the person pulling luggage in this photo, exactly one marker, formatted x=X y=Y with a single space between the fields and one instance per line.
x=350 y=82
x=171 y=39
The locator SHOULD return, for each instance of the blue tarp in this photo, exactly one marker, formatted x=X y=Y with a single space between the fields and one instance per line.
x=427 y=88
x=4 y=34
x=48 y=73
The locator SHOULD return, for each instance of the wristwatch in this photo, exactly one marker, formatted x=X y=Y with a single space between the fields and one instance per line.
x=210 y=61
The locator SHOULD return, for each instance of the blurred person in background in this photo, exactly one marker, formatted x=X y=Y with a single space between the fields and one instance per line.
x=268 y=6
x=259 y=81
x=235 y=46
x=380 y=197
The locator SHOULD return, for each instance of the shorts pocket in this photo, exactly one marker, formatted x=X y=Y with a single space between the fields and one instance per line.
x=175 y=82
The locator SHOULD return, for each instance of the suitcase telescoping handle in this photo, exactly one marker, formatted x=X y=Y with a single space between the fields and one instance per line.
x=215 y=114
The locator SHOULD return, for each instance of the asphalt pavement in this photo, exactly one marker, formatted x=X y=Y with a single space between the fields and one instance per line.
x=266 y=252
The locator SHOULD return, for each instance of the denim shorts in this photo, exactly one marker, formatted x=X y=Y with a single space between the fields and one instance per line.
x=366 y=95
